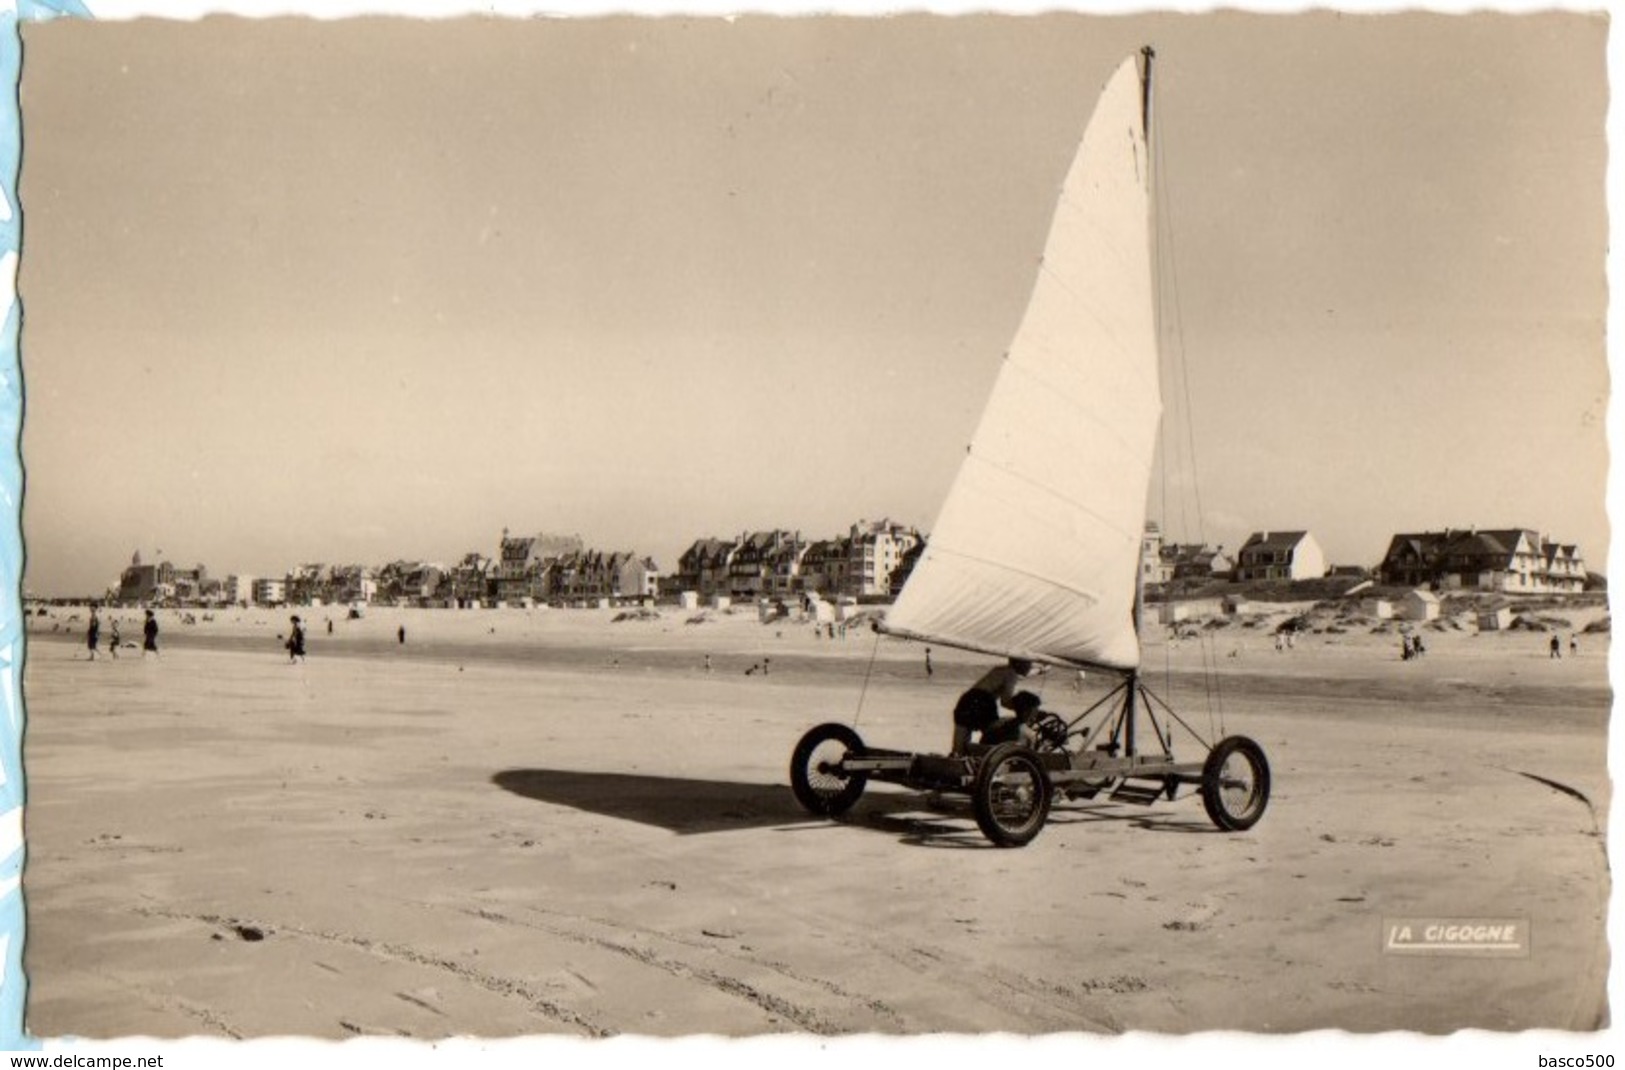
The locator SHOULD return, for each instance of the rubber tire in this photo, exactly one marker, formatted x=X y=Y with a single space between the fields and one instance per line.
x=993 y=766
x=817 y=800
x=1213 y=800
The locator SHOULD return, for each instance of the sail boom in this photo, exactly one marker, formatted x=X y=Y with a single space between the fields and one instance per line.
x=1001 y=652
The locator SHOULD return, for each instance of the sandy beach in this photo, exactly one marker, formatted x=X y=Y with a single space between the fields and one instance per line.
x=529 y=822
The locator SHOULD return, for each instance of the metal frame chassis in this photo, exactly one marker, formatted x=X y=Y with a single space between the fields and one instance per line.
x=1087 y=764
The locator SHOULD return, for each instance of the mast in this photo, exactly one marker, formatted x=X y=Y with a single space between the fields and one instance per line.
x=1147 y=55
x=1130 y=713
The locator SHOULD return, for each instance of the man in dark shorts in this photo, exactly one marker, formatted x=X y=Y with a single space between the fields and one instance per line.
x=977 y=711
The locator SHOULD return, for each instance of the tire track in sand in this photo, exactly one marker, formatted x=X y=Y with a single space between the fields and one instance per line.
x=805 y=1018
x=502 y=986
x=198 y=1012
x=1014 y=992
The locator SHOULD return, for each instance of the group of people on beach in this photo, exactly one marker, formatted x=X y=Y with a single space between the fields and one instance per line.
x=93 y=635
x=294 y=644
x=1410 y=646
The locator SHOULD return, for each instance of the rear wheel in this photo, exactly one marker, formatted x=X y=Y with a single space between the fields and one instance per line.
x=816 y=778
x=1011 y=795
x=1235 y=783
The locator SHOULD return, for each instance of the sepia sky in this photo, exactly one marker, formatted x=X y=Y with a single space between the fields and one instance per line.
x=352 y=291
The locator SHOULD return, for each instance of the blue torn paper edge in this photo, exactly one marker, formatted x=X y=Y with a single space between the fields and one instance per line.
x=13 y=984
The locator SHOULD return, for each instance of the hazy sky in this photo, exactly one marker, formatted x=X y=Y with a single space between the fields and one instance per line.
x=359 y=290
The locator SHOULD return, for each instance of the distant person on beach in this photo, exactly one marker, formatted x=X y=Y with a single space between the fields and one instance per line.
x=93 y=633
x=977 y=711
x=928 y=669
x=401 y=635
x=1574 y=645
x=1557 y=649
x=329 y=625
x=708 y=663
x=113 y=639
x=149 y=635
x=296 y=641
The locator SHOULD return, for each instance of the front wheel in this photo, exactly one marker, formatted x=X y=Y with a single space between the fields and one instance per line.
x=1011 y=795
x=817 y=780
x=1235 y=783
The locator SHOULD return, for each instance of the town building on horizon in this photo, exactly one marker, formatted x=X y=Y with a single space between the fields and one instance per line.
x=1162 y=562
x=473 y=580
x=871 y=560
x=164 y=582
x=523 y=571
x=1502 y=560
x=777 y=563
x=270 y=591
x=1280 y=555
x=1155 y=569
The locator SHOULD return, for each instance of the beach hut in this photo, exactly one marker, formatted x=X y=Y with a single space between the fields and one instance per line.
x=846 y=608
x=1380 y=608
x=1495 y=620
x=1174 y=612
x=689 y=600
x=1420 y=605
x=721 y=601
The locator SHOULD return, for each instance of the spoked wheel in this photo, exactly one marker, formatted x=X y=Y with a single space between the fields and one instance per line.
x=1235 y=783
x=1011 y=795
x=815 y=776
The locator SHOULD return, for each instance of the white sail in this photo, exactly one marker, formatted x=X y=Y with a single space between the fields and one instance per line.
x=1036 y=552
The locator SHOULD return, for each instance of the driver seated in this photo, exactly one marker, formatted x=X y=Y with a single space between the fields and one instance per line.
x=977 y=716
x=1017 y=729
x=978 y=707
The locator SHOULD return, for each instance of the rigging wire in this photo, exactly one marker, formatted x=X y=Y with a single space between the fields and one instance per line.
x=1174 y=324
x=868 y=671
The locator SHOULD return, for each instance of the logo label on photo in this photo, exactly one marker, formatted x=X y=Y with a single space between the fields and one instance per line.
x=1491 y=937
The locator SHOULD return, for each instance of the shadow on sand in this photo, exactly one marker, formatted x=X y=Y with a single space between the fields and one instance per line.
x=686 y=807
x=690 y=807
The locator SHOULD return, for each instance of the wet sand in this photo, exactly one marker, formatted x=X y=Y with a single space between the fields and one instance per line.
x=567 y=826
